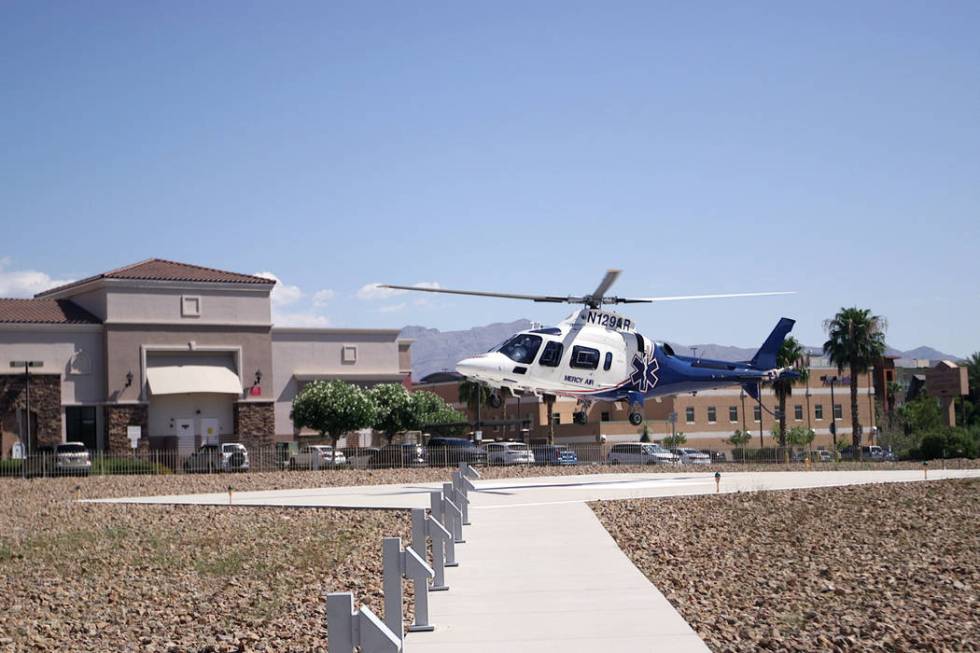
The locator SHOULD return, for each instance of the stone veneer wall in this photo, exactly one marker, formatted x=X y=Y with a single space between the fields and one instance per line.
x=117 y=418
x=45 y=403
x=255 y=423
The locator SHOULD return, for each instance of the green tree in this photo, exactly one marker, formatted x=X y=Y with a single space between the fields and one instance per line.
x=333 y=408
x=790 y=354
x=855 y=340
x=674 y=441
x=921 y=415
x=800 y=436
x=973 y=372
x=428 y=409
x=738 y=439
x=393 y=409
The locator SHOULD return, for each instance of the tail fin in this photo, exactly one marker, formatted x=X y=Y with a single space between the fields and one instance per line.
x=765 y=358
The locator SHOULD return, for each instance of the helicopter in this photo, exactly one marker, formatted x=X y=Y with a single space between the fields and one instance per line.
x=598 y=355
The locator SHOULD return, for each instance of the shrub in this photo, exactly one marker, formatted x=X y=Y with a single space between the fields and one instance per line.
x=953 y=443
x=103 y=466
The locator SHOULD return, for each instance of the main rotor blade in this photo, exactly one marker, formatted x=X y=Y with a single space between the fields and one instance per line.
x=647 y=300
x=479 y=293
x=607 y=281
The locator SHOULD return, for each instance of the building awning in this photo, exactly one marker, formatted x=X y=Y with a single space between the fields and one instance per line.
x=184 y=379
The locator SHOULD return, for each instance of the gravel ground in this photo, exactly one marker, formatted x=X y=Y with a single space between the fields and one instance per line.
x=890 y=567
x=81 y=577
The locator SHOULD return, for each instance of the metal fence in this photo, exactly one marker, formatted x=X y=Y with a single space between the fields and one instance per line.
x=579 y=456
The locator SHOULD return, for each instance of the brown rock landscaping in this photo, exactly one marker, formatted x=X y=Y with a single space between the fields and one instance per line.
x=889 y=567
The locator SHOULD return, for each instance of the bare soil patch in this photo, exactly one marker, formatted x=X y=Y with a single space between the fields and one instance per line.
x=890 y=567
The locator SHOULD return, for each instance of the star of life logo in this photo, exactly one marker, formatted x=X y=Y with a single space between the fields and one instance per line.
x=644 y=376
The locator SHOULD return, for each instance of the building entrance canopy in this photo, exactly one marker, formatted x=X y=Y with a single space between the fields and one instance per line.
x=184 y=379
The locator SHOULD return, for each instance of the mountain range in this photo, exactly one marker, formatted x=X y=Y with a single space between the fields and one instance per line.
x=438 y=351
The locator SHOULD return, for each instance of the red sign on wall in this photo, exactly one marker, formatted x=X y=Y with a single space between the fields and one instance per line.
x=255 y=391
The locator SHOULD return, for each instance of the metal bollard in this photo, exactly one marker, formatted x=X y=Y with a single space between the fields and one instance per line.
x=348 y=628
x=424 y=528
x=439 y=515
x=717 y=482
x=468 y=470
x=460 y=496
x=454 y=514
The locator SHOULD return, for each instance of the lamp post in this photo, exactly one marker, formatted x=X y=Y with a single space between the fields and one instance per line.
x=741 y=395
x=833 y=410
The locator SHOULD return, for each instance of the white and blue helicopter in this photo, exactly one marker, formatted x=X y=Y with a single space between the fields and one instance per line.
x=597 y=355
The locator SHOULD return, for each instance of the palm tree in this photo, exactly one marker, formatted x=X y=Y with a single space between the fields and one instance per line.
x=855 y=339
x=973 y=367
x=790 y=354
x=474 y=395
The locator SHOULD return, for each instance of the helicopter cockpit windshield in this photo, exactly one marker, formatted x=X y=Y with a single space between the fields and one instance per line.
x=522 y=348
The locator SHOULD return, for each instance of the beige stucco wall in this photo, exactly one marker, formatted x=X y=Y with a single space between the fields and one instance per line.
x=125 y=343
x=147 y=305
x=319 y=352
x=57 y=347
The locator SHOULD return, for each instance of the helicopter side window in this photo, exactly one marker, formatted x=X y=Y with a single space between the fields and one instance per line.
x=551 y=355
x=607 y=363
x=584 y=358
x=639 y=343
x=522 y=348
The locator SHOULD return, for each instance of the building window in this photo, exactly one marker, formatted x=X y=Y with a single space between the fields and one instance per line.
x=838 y=411
x=689 y=414
x=798 y=412
x=348 y=355
x=605 y=416
x=712 y=415
x=818 y=411
x=733 y=414
x=556 y=418
x=190 y=306
x=80 y=425
x=757 y=413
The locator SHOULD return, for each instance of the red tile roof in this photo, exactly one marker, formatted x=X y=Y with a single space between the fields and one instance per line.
x=44 y=311
x=156 y=269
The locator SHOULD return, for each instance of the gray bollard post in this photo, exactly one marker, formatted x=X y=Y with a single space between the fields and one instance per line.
x=454 y=516
x=425 y=528
x=439 y=515
x=392 y=585
x=419 y=572
x=347 y=628
x=468 y=470
x=460 y=497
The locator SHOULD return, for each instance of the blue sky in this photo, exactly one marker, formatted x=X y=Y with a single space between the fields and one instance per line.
x=831 y=148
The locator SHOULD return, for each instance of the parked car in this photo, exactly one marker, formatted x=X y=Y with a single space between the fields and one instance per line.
x=689 y=456
x=227 y=457
x=640 y=453
x=398 y=455
x=872 y=453
x=719 y=457
x=452 y=451
x=360 y=457
x=317 y=456
x=66 y=458
x=554 y=454
x=508 y=453
x=823 y=456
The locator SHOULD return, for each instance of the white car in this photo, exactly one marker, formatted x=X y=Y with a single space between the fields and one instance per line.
x=317 y=456
x=508 y=453
x=72 y=458
x=227 y=457
x=640 y=453
x=691 y=456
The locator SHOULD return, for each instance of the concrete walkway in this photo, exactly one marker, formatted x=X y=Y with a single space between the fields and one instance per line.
x=548 y=580
x=538 y=572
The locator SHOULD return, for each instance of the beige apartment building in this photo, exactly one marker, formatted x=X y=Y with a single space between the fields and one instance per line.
x=707 y=419
x=169 y=355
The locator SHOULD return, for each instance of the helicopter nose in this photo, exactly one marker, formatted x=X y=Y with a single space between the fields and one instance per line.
x=479 y=367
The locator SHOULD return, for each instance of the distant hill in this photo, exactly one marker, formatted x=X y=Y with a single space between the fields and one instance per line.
x=437 y=351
